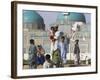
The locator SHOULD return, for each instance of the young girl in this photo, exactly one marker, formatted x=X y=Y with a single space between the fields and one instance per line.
x=52 y=33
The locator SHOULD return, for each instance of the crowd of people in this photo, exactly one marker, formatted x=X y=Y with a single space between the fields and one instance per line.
x=58 y=51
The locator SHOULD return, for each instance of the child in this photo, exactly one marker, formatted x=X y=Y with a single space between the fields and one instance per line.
x=48 y=63
x=63 y=49
x=40 y=55
x=77 y=52
x=32 y=55
x=52 y=33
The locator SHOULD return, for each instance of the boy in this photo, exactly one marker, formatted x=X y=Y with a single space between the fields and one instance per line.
x=63 y=49
x=48 y=63
x=77 y=53
x=32 y=55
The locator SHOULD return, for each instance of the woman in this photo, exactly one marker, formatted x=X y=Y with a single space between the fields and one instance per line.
x=40 y=55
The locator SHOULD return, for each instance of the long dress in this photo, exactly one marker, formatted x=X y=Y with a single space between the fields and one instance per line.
x=56 y=58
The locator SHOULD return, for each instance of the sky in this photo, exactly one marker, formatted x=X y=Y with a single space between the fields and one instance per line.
x=49 y=17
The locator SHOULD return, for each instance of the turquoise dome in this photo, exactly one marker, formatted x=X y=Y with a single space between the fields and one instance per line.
x=72 y=16
x=31 y=16
x=60 y=17
x=76 y=17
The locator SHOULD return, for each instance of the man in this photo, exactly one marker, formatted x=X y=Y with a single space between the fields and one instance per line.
x=75 y=28
x=32 y=55
x=57 y=37
x=51 y=35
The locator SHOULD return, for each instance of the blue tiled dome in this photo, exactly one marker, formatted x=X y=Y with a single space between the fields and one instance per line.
x=72 y=16
x=76 y=17
x=30 y=16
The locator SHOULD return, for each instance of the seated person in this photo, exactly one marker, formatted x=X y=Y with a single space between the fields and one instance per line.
x=48 y=63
